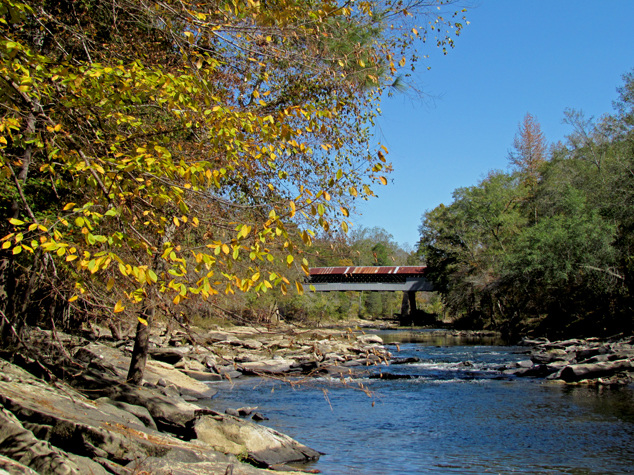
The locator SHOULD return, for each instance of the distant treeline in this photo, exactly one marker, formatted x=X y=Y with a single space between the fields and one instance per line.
x=547 y=248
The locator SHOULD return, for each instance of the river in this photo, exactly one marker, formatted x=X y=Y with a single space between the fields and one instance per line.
x=450 y=417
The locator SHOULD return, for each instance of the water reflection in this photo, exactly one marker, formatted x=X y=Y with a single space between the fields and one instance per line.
x=609 y=402
x=430 y=337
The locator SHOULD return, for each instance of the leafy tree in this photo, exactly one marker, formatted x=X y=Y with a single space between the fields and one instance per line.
x=465 y=243
x=156 y=152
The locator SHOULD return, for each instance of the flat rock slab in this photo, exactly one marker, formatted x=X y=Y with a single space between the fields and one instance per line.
x=80 y=429
x=154 y=370
x=274 y=366
x=263 y=446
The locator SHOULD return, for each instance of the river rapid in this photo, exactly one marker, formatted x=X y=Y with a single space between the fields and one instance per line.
x=451 y=412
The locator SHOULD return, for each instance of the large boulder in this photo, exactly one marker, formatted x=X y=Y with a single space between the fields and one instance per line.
x=261 y=445
x=268 y=366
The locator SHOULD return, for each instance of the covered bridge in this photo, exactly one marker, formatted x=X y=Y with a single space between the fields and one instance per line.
x=407 y=279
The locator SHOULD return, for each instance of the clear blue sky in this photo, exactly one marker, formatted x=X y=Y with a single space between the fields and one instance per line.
x=538 y=56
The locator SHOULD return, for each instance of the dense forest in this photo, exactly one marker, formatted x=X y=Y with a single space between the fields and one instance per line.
x=546 y=248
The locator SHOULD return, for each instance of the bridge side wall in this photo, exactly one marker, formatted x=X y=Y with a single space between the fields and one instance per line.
x=410 y=285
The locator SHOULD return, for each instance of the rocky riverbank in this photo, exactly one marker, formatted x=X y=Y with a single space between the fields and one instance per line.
x=64 y=408
x=579 y=361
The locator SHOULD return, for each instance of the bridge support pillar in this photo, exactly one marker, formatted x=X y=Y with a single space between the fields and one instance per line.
x=408 y=308
x=411 y=296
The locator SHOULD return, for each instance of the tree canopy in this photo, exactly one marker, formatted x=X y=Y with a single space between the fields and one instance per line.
x=546 y=248
x=161 y=150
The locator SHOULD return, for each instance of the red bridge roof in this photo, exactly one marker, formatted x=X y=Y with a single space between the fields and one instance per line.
x=395 y=270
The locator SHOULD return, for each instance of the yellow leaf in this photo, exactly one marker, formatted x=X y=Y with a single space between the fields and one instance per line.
x=73 y=298
x=244 y=231
x=17 y=250
x=142 y=321
x=289 y=259
x=300 y=288
x=110 y=284
x=383 y=180
x=118 y=307
x=176 y=221
x=195 y=222
x=16 y=222
x=292 y=206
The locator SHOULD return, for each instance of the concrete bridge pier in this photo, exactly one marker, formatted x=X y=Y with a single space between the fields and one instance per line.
x=408 y=304
x=410 y=315
x=408 y=308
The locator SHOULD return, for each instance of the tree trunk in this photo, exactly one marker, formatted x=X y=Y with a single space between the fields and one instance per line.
x=141 y=345
x=142 y=338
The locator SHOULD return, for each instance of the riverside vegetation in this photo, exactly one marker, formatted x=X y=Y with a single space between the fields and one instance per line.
x=545 y=249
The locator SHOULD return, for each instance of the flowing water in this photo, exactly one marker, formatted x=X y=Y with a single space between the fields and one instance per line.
x=455 y=414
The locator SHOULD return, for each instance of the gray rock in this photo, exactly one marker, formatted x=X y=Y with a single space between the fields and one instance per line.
x=11 y=467
x=272 y=366
x=370 y=339
x=21 y=445
x=263 y=446
x=168 y=355
x=97 y=430
x=246 y=411
x=524 y=364
x=248 y=344
x=259 y=417
x=549 y=356
x=133 y=415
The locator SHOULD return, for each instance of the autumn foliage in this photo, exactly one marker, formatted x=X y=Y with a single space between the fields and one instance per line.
x=152 y=152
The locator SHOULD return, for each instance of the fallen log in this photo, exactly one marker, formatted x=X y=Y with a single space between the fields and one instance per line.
x=577 y=372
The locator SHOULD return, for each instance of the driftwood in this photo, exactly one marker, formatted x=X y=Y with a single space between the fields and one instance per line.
x=577 y=372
